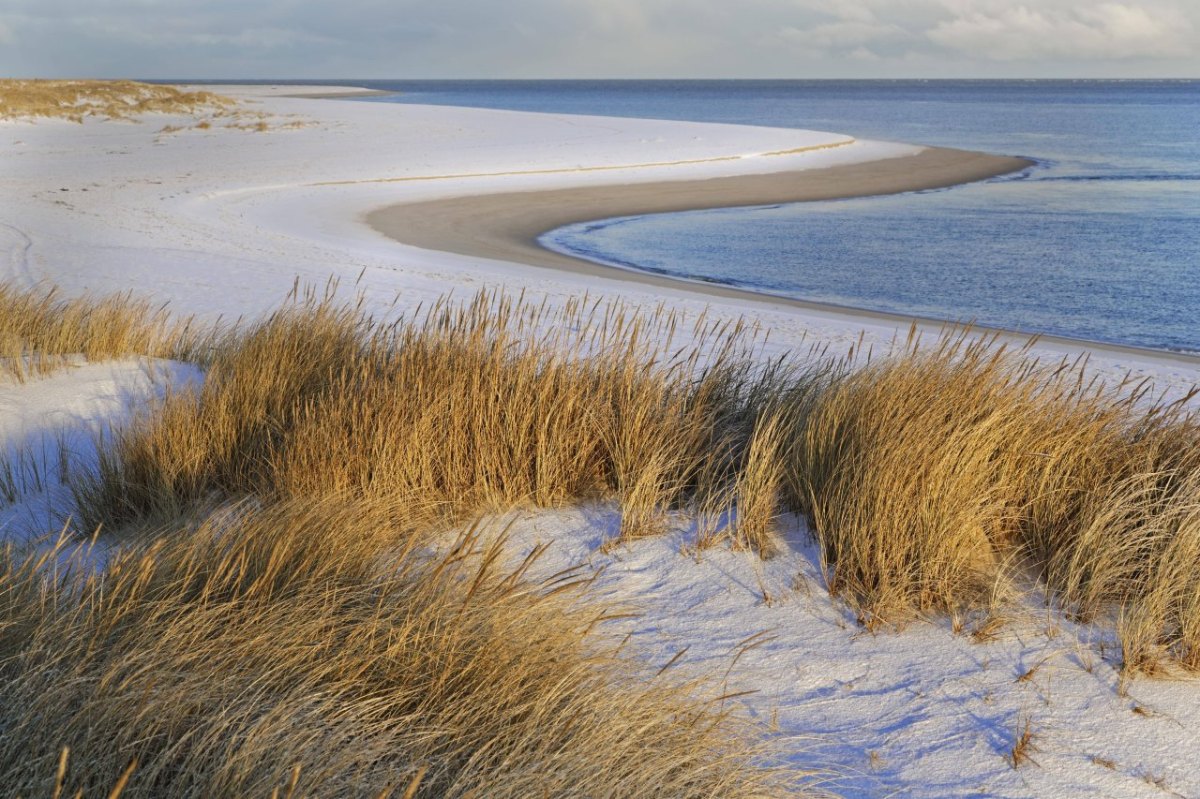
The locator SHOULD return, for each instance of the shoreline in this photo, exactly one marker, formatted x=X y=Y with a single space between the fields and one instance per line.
x=348 y=94
x=507 y=226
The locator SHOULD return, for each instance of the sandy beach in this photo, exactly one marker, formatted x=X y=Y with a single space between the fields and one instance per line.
x=508 y=226
x=415 y=201
x=342 y=95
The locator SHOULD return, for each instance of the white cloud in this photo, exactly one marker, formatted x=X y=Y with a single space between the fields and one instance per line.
x=1104 y=31
x=847 y=11
x=864 y=54
x=842 y=35
x=601 y=38
x=267 y=38
x=618 y=17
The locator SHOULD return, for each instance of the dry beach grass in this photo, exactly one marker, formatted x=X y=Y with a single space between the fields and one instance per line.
x=466 y=409
x=320 y=649
x=41 y=331
x=930 y=475
x=313 y=639
x=937 y=477
x=117 y=99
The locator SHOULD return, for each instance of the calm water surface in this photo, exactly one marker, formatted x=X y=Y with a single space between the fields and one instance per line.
x=1101 y=240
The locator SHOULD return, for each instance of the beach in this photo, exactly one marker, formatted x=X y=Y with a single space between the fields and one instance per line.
x=116 y=204
x=506 y=226
x=511 y=226
x=397 y=207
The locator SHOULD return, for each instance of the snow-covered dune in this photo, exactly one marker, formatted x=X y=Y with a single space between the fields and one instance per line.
x=219 y=217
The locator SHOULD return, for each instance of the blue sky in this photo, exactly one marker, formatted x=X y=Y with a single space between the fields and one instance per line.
x=600 y=38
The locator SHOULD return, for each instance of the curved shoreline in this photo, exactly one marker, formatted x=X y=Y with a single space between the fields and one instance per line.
x=506 y=226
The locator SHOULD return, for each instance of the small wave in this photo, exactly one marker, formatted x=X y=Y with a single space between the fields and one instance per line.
x=1030 y=172
x=600 y=224
x=567 y=245
x=1116 y=178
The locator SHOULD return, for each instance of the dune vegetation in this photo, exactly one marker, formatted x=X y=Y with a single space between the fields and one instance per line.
x=41 y=331
x=280 y=621
x=279 y=526
x=467 y=409
x=105 y=99
x=317 y=649
x=945 y=478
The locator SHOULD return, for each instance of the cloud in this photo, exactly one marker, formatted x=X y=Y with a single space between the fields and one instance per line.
x=600 y=38
x=1105 y=31
x=843 y=35
x=864 y=54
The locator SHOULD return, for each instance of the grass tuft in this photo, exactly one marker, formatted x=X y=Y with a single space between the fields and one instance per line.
x=322 y=648
x=107 y=99
x=1023 y=746
x=464 y=409
x=939 y=478
x=41 y=332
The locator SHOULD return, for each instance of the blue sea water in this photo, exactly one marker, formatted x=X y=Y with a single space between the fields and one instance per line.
x=1101 y=240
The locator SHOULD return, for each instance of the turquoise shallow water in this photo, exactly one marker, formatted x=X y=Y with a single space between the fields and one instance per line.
x=1101 y=240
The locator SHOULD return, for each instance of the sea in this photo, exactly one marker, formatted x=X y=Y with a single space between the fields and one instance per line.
x=1100 y=240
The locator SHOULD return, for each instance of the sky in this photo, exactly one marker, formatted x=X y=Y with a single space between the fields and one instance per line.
x=600 y=38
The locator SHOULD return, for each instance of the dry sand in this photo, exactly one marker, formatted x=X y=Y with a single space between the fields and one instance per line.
x=506 y=226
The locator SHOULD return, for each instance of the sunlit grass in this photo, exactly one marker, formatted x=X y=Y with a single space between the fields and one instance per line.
x=107 y=99
x=936 y=478
x=40 y=331
x=323 y=649
x=467 y=409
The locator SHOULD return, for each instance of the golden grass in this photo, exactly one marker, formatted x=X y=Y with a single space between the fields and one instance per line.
x=39 y=332
x=898 y=466
x=1023 y=746
x=936 y=478
x=464 y=408
x=320 y=649
x=108 y=99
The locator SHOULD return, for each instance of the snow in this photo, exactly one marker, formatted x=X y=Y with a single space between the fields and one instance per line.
x=925 y=712
x=185 y=215
x=221 y=222
x=49 y=428
x=113 y=205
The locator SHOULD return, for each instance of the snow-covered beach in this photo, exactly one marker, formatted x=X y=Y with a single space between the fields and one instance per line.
x=116 y=205
x=222 y=221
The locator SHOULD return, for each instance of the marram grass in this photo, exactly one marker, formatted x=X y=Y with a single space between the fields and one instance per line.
x=322 y=649
x=936 y=478
x=40 y=331
x=465 y=409
x=107 y=99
